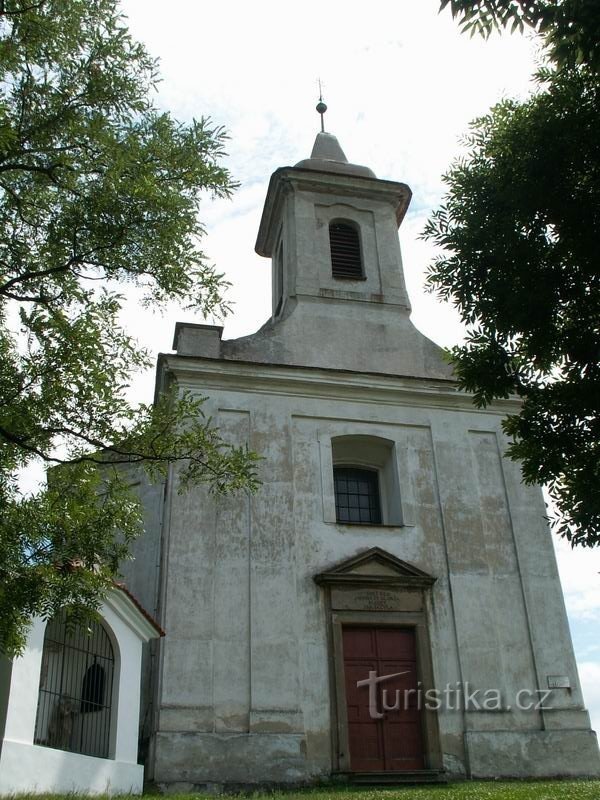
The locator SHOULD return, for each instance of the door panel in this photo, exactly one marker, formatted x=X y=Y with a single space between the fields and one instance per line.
x=394 y=741
x=365 y=735
x=360 y=642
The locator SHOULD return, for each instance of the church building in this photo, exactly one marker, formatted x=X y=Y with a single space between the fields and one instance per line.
x=387 y=607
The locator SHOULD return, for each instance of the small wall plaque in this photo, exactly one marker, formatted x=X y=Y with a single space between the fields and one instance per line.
x=559 y=682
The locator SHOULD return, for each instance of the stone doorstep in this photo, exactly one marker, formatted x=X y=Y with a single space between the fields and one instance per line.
x=391 y=778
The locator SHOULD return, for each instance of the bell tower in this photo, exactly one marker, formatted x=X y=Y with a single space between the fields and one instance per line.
x=339 y=299
x=330 y=228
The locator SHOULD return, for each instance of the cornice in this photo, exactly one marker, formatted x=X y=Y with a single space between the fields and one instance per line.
x=329 y=384
x=379 y=581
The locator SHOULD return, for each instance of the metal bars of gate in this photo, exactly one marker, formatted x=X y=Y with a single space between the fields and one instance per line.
x=76 y=685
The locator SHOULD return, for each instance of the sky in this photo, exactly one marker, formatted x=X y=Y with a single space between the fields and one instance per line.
x=402 y=85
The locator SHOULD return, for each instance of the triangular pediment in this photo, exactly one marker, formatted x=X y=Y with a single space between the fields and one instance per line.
x=375 y=566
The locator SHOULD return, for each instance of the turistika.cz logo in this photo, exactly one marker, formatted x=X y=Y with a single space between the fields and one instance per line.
x=453 y=697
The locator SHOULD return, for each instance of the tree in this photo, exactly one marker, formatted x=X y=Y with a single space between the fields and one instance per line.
x=519 y=227
x=98 y=190
x=570 y=27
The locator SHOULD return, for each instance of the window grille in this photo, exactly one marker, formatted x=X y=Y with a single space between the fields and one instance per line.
x=344 y=243
x=75 y=695
x=357 y=495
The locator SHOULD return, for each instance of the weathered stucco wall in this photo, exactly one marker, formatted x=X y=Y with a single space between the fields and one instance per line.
x=245 y=691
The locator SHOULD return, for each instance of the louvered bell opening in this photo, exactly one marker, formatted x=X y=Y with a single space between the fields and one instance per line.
x=344 y=242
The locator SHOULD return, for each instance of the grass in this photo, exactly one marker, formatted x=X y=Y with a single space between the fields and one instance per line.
x=471 y=790
x=468 y=790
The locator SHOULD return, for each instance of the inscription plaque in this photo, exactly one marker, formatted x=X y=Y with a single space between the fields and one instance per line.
x=559 y=682
x=362 y=599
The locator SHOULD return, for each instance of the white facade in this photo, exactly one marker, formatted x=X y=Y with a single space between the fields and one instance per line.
x=32 y=768
x=256 y=593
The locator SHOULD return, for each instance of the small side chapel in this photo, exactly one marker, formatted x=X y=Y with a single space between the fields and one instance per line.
x=70 y=703
x=390 y=547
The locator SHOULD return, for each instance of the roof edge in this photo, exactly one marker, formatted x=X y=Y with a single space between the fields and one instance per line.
x=132 y=612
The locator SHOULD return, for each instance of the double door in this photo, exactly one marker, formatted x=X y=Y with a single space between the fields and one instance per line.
x=383 y=699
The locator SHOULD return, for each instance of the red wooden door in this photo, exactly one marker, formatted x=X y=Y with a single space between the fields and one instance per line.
x=379 y=739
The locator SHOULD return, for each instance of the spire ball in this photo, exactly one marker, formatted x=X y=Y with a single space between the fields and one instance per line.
x=321 y=108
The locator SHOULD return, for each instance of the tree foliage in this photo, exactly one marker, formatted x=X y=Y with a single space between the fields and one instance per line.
x=571 y=28
x=98 y=190
x=519 y=227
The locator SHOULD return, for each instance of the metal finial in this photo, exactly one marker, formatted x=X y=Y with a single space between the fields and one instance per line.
x=321 y=107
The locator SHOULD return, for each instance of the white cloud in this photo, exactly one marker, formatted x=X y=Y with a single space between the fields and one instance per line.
x=580 y=575
x=589 y=674
x=402 y=85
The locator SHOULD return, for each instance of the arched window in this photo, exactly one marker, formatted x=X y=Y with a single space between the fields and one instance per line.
x=344 y=243
x=365 y=480
x=75 y=695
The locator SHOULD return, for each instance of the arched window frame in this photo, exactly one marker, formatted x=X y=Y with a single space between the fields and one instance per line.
x=373 y=451
x=349 y=265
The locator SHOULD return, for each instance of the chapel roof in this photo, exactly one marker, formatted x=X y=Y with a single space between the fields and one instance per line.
x=139 y=608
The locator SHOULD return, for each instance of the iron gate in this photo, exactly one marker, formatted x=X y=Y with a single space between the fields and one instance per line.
x=76 y=686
